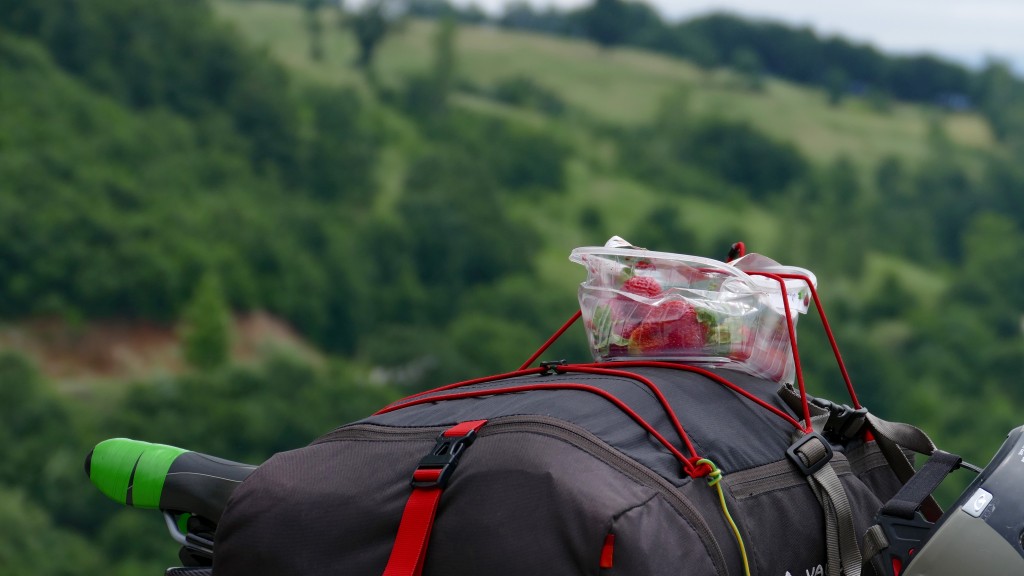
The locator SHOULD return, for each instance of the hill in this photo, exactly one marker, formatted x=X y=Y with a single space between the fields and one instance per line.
x=603 y=142
x=620 y=86
x=891 y=204
x=414 y=231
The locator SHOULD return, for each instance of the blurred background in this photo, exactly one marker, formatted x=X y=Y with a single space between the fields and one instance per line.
x=234 y=225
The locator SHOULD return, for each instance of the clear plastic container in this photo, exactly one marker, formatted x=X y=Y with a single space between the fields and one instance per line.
x=640 y=304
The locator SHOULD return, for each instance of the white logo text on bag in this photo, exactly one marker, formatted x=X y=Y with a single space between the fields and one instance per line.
x=816 y=571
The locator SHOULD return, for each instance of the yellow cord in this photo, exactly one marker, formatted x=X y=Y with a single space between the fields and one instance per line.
x=714 y=480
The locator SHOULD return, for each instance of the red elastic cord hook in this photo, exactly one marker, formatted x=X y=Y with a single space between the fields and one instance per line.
x=738 y=250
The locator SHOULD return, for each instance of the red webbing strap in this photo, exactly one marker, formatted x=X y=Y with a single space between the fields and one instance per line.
x=414 y=532
x=410 y=548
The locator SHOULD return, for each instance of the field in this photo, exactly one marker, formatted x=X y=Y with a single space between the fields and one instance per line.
x=619 y=86
x=623 y=87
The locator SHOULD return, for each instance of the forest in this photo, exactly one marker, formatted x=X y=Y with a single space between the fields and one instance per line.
x=408 y=208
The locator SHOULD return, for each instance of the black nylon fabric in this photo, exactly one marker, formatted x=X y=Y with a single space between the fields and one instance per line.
x=518 y=504
x=722 y=425
x=920 y=487
x=551 y=475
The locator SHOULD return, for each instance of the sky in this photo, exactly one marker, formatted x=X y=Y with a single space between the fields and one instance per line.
x=967 y=31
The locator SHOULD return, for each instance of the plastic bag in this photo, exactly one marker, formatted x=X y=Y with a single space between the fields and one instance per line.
x=641 y=304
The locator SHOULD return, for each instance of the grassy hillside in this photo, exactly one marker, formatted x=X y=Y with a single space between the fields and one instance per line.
x=622 y=86
x=156 y=170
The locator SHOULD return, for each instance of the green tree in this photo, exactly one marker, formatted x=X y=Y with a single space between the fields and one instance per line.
x=315 y=28
x=371 y=24
x=32 y=544
x=748 y=65
x=445 y=62
x=836 y=82
x=662 y=229
x=901 y=225
x=592 y=221
x=35 y=423
x=829 y=219
x=246 y=413
x=605 y=22
x=991 y=241
x=950 y=197
x=343 y=147
x=490 y=345
x=207 y=337
x=425 y=96
x=879 y=100
x=1001 y=98
x=460 y=236
x=739 y=153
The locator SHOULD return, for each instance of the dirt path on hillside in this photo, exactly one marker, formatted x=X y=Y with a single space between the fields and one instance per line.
x=130 y=350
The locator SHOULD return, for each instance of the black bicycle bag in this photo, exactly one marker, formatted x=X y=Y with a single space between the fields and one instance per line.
x=642 y=469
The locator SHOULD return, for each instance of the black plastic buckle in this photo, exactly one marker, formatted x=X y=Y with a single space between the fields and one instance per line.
x=904 y=536
x=848 y=422
x=844 y=422
x=795 y=455
x=551 y=367
x=445 y=457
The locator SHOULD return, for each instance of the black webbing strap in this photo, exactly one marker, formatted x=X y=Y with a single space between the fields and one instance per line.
x=918 y=489
x=898 y=529
x=874 y=542
x=812 y=454
x=892 y=438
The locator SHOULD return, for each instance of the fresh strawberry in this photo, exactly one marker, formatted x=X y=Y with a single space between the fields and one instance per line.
x=671 y=327
x=642 y=286
x=672 y=311
x=685 y=329
x=690 y=335
x=647 y=338
x=628 y=312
